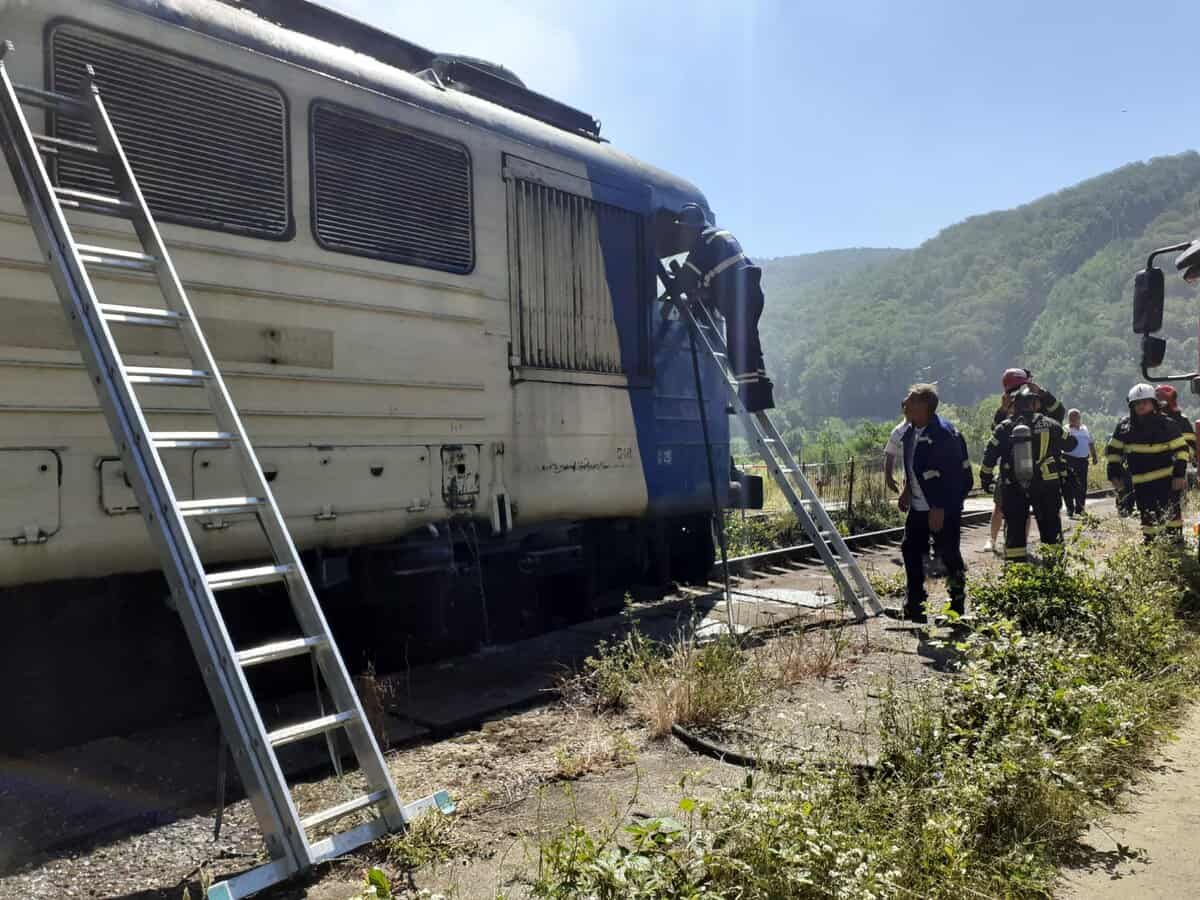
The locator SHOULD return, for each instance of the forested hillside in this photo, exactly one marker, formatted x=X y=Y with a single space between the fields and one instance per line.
x=1046 y=285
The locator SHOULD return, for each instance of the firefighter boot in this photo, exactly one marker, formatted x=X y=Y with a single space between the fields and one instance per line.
x=758 y=395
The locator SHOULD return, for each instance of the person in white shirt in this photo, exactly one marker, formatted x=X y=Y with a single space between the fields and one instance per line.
x=891 y=450
x=1075 y=492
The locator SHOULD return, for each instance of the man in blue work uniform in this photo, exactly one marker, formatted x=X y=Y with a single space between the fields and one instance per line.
x=937 y=478
x=719 y=274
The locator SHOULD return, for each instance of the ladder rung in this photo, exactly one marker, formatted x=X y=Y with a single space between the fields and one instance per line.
x=220 y=506
x=108 y=258
x=48 y=144
x=278 y=650
x=238 y=578
x=299 y=732
x=140 y=315
x=49 y=99
x=343 y=809
x=192 y=440
x=175 y=377
x=97 y=203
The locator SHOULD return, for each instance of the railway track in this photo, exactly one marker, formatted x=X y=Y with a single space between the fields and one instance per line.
x=752 y=562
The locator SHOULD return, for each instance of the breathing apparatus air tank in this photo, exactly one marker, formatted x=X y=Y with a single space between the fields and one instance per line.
x=1022 y=455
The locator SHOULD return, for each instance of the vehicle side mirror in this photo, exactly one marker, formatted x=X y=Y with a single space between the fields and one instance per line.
x=1148 y=295
x=1153 y=351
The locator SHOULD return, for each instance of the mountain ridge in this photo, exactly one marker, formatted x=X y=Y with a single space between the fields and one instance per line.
x=1045 y=284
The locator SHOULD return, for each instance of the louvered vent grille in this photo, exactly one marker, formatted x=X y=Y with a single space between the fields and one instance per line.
x=209 y=148
x=389 y=193
x=565 y=291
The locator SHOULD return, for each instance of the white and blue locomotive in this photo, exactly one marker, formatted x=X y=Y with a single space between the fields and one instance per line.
x=432 y=292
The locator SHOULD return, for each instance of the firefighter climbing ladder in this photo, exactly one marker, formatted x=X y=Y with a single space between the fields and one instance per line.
x=193 y=588
x=853 y=585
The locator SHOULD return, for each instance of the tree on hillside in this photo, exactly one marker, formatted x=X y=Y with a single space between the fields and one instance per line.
x=963 y=306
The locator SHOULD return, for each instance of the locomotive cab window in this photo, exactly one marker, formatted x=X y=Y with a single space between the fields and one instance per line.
x=389 y=192
x=208 y=146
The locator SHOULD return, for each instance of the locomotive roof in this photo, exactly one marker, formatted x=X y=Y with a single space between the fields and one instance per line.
x=381 y=62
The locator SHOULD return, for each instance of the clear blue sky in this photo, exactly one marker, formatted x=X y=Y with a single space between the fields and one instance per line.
x=811 y=126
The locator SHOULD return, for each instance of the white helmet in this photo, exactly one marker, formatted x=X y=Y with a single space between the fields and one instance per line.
x=1141 y=391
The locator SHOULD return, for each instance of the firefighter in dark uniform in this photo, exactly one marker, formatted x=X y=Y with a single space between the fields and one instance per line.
x=1028 y=447
x=1150 y=445
x=1168 y=405
x=719 y=274
x=1015 y=379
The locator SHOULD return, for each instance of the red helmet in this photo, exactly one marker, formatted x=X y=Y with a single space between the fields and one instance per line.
x=1014 y=378
x=1167 y=395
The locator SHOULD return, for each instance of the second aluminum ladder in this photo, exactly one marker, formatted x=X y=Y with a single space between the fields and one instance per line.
x=853 y=584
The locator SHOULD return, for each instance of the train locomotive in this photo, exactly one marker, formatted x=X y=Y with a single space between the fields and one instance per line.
x=432 y=292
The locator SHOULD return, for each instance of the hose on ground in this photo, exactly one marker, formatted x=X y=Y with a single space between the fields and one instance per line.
x=862 y=772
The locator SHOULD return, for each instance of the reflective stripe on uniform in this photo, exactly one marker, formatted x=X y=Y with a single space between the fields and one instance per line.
x=1155 y=475
x=1014 y=553
x=1175 y=523
x=1112 y=457
x=929 y=474
x=1115 y=444
x=1152 y=529
x=985 y=470
x=1154 y=448
x=721 y=267
x=716 y=234
x=691 y=265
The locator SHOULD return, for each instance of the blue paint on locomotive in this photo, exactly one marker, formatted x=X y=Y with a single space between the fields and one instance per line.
x=666 y=413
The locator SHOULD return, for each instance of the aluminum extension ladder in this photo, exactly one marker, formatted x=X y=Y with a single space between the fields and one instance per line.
x=853 y=585
x=285 y=832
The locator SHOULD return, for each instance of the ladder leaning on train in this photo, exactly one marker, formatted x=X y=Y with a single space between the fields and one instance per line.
x=193 y=586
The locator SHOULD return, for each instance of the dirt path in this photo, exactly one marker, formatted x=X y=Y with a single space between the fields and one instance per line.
x=1153 y=849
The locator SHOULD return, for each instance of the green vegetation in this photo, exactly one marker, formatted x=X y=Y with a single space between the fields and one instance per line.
x=665 y=684
x=1047 y=285
x=1067 y=675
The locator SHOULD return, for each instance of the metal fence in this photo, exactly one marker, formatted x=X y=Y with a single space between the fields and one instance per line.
x=858 y=482
x=841 y=485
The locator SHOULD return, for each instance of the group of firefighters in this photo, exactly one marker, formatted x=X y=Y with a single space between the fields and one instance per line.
x=1147 y=459
x=1031 y=465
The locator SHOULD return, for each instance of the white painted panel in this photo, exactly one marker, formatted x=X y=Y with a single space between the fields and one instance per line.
x=29 y=502
x=323 y=482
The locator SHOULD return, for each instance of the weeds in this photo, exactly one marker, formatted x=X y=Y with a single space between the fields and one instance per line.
x=664 y=684
x=431 y=839
x=802 y=655
x=983 y=782
x=596 y=754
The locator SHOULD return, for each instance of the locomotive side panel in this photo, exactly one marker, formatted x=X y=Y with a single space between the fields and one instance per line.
x=342 y=361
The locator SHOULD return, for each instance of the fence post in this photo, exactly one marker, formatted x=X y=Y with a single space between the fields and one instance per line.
x=850 y=489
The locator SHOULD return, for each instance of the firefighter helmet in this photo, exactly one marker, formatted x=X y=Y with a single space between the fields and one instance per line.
x=1168 y=395
x=1026 y=399
x=692 y=215
x=1141 y=391
x=1015 y=378
x=1188 y=262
